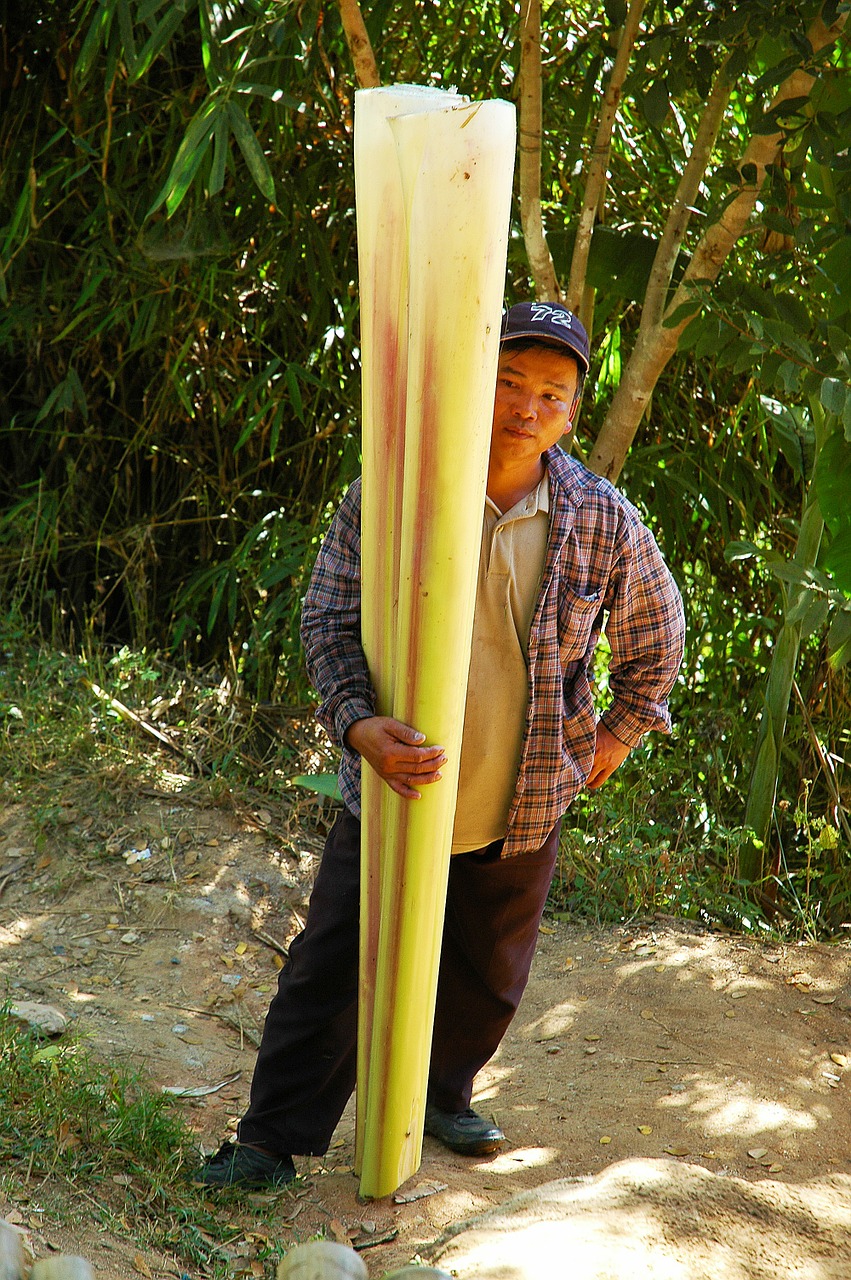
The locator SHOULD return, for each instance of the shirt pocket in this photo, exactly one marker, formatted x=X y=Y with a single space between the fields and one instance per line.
x=579 y=621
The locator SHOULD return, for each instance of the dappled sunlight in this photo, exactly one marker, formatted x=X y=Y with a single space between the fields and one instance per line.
x=506 y=1162
x=548 y=1246
x=731 y=1108
x=615 y=1225
x=221 y=879
x=18 y=931
x=554 y=1022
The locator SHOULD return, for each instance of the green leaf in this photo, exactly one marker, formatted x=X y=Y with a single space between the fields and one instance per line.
x=157 y=41
x=96 y=36
x=251 y=151
x=49 y=1053
x=190 y=153
x=741 y=551
x=221 y=136
x=656 y=102
x=295 y=391
x=832 y=395
x=325 y=783
x=815 y=616
x=125 y=26
x=839 y=639
x=837 y=558
x=832 y=480
x=270 y=91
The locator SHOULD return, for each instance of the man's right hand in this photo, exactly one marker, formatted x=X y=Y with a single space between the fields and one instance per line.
x=393 y=749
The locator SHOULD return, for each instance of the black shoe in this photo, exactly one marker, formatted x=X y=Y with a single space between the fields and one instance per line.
x=465 y=1132
x=234 y=1165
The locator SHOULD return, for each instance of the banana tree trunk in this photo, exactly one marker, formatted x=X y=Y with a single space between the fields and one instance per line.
x=420 y=543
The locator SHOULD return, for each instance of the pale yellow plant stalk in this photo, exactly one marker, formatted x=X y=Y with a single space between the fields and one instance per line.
x=456 y=168
x=383 y=288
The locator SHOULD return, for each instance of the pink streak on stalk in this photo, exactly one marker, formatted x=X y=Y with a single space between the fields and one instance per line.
x=388 y=440
x=427 y=502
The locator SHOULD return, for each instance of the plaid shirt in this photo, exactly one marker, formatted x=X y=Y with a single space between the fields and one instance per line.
x=600 y=559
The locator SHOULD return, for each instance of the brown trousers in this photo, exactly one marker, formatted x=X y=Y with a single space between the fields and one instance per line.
x=305 y=1070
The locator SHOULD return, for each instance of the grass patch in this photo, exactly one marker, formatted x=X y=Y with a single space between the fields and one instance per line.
x=96 y=1134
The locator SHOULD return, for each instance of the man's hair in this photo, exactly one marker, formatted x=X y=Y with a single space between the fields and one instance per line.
x=560 y=348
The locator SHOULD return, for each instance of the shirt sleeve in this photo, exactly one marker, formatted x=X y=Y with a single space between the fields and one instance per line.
x=331 y=625
x=646 y=631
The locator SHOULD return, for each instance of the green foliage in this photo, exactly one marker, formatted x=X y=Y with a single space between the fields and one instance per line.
x=177 y=392
x=179 y=379
x=118 y=1142
x=65 y=1111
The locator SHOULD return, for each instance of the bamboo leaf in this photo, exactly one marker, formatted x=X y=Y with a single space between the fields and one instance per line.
x=295 y=391
x=270 y=91
x=190 y=153
x=157 y=41
x=125 y=27
x=251 y=151
x=220 y=154
x=96 y=36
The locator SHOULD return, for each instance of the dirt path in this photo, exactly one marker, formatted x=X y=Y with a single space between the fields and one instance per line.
x=661 y=1044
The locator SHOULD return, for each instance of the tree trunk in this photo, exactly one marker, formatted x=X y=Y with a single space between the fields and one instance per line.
x=657 y=341
x=595 y=183
x=360 y=46
x=547 y=287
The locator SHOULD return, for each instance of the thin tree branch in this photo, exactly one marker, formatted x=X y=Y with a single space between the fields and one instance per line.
x=655 y=298
x=595 y=183
x=529 y=154
x=360 y=46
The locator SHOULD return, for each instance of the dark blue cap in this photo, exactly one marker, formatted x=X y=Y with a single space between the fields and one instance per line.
x=550 y=323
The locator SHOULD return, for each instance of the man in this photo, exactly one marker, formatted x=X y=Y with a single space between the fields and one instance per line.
x=560 y=548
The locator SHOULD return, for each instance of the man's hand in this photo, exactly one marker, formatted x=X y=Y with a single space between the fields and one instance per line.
x=393 y=750
x=609 y=754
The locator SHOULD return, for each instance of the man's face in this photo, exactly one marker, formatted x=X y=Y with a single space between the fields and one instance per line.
x=535 y=403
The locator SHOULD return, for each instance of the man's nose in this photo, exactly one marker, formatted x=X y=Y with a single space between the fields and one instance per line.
x=525 y=405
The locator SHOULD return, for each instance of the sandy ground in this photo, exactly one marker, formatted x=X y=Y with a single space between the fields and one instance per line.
x=676 y=1100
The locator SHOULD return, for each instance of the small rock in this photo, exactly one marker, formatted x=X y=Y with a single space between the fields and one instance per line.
x=129 y=937
x=44 y=1018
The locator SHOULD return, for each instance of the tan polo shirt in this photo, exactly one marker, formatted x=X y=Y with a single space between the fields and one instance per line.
x=511 y=564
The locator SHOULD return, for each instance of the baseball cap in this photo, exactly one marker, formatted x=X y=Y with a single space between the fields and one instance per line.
x=549 y=322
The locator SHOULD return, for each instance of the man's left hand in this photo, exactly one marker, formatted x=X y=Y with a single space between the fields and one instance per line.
x=609 y=754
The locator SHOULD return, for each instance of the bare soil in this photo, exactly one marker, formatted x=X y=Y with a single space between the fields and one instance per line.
x=659 y=1059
